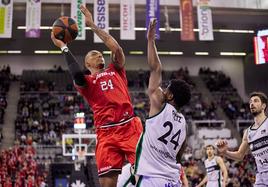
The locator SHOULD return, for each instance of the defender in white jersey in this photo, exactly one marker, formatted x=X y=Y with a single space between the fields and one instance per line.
x=162 y=142
x=255 y=138
x=215 y=170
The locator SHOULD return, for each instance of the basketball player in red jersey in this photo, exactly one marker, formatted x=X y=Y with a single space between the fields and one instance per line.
x=106 y=92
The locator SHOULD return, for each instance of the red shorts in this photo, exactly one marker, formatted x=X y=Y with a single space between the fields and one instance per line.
x=116 y=144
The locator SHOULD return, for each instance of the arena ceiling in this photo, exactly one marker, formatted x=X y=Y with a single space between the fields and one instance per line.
x=223 y=18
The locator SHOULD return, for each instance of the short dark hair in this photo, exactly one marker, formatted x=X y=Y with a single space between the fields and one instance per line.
x=210 y=145
x=181 y=92
x=262 y=97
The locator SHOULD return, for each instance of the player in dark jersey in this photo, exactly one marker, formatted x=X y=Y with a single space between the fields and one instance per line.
x=105 y=90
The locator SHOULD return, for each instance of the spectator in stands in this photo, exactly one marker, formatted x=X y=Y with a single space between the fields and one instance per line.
x=106 y=92
x=215 y=169
x=254 y=138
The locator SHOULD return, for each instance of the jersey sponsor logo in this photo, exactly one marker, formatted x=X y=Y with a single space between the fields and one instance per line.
x=259 y=143
x=164 y=153
x=212 y=168
x=260 y=154
x=112 y=73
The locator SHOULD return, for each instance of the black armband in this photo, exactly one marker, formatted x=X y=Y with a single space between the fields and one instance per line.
x=74 y=67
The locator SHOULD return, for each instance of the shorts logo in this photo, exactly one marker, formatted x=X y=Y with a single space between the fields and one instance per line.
x=104 y=168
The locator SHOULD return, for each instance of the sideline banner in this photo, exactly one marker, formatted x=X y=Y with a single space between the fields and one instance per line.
x=6 y=16
x=33 y=18
x=186 y=20
x=101 y=17
x=79 y=18
x=127 y=20
x=204 y=17
x=153 y=11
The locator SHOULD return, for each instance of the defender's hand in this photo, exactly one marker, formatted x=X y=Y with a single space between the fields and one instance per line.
x=222 y=146
x=56 y=41
x=88 y=16
x=151 y=30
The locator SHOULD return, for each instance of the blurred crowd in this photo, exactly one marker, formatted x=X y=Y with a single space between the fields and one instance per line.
x=19 y=169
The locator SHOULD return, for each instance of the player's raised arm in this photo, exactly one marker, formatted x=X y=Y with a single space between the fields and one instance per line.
x=118 y=57
x=222 y=146
x=155 y=80
x=73 y=66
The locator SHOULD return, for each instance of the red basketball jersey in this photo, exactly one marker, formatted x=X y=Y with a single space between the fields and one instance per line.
x=107 y=94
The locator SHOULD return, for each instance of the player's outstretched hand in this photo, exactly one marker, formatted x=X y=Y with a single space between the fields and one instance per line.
x=57 y=42
x=222 y=146
x=88 y=16
x=151 y=30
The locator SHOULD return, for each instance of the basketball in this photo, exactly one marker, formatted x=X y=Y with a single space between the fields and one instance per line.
x=65 y=29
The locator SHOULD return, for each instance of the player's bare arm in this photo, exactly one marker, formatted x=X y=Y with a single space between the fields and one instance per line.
x=73 y=66
x=220 y=162
x=118 y=57
x=204 y=181
x=155 y=80
x=222 y=146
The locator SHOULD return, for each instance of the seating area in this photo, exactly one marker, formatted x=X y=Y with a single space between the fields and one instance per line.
x=5 y=77
x=44 y=116
x=225 y=94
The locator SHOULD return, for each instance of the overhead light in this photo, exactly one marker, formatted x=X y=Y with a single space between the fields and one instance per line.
x=106 y=52
x=136 y=52
x=169 y=52
x=40 y=52
x=233 y=54
x=41 y=27
x=233 y=31
x=47 y=52
x=10 y=52
x=163 y=52
x=176 y=53
x=201 y=53
x=114 y=28
x=55 y=52
x=140 y=29
x=161 y=29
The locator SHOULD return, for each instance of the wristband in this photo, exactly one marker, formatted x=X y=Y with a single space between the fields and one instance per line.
x=64 y=49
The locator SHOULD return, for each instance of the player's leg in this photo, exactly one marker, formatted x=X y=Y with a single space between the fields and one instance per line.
x=109 y=159
x=133 y=133
x=109 y=179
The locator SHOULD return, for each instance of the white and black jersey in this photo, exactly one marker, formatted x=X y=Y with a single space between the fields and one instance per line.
x=160 y=143
x=213 y=169
x=258 y=144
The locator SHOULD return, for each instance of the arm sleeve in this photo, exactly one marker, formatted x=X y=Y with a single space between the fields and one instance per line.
x=74 y=69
